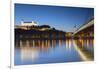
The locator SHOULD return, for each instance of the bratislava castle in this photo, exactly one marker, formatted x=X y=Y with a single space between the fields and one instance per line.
x=26 y=23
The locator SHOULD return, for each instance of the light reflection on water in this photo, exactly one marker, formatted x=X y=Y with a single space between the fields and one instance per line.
x=51 y=51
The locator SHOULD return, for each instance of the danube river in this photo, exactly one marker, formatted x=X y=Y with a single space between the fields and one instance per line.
x=35 y=51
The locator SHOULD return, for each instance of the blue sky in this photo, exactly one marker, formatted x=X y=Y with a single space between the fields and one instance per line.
x=60 y=17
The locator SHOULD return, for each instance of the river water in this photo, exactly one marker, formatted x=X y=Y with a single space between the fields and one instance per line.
x=35 y=51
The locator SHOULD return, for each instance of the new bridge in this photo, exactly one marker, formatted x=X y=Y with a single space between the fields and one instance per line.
x=85 y=31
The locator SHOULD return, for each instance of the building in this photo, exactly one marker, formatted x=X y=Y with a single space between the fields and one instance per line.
x=69 y=34
x=25 y=23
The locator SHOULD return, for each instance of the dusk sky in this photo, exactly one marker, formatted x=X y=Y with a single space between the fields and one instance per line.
x=60 y=17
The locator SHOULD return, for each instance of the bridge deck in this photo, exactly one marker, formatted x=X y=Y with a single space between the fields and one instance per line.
x=90 y=23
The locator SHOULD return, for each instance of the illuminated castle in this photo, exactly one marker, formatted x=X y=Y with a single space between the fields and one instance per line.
x=27 y=23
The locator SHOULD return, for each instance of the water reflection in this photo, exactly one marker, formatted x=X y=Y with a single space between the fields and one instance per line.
x=86 y=43
x=86 y=46
x=51 y=51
